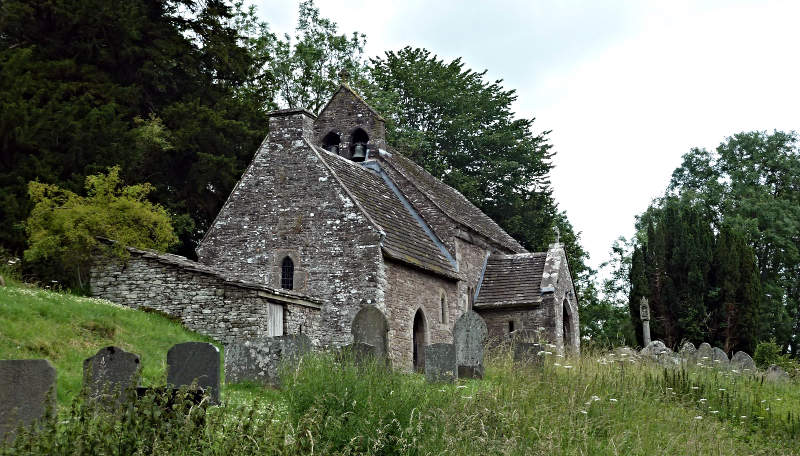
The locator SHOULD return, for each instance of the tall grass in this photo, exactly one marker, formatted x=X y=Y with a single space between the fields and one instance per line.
x=597 y=404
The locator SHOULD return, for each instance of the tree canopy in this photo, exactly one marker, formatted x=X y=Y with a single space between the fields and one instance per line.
x=64 y=226
x=460 y=128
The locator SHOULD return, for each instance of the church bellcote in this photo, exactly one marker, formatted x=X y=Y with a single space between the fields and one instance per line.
x=349 y=127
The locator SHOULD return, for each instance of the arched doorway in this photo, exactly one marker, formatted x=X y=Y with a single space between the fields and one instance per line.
x=419 y=338
x=567 y=326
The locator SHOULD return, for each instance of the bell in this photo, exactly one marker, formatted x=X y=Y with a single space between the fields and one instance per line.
x=334 y=149
x=360 y=153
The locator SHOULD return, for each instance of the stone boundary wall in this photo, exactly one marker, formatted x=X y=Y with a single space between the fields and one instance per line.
x=205 y=301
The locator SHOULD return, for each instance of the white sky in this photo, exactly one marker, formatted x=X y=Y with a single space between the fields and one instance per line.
x=627 y=87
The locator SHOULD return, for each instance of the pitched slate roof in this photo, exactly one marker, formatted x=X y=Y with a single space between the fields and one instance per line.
x=405 y=239
x=511 y=280
x=450 y=201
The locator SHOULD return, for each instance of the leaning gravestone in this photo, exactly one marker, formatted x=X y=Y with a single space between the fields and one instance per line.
x=110 y=372
x=26 y=387
x=371 y=327
x=440 y=363
x=194 y=363
x=259 y=360
x=528 y=353
x=742 y=362
x=469 y=338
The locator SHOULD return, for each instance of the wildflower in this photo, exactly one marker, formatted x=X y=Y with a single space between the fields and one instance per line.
x=744 y=416
x=777 y=398
x=584 y=412
x=695 y=387
x=722 y=389
x=702 y=400
x=557 y=364
x=466 y=397
x=698 y=417
x=715 y=411
x=613 y=400
x=461 y=386
x=763 y=400
x=567 y=367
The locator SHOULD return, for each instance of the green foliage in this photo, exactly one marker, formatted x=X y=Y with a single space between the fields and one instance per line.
x=461 y=129
x=66 y=329
x=751 y=183
x=78 y=76
x=701 y=286
x=303 y=73
x=768 y=353
x=63 y=227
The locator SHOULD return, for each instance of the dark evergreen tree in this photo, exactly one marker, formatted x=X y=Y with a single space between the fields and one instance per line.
x=149 y=85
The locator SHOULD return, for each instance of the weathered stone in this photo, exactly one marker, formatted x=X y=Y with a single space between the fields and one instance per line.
x=371 y=327
x=362 y=354
x=625 y=352
x=742 y=362
x=469 y=338
x=260 y=360
x=440 y=363
x=703 y=356
x=654 y=348
x=528 y=353
x=2 y=282
x=687 y=350
x=27 y=388
x=719 y=358
x=110 y=372
x=775 y=373
x=195 y=363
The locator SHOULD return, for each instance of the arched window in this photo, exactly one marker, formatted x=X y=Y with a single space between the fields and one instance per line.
x=287 y=273
x=331 y=143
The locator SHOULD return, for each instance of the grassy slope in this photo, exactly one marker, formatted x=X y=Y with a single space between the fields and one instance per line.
x=67 y=329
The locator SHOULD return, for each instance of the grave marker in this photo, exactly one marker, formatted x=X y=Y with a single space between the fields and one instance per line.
x=195 y=362
x=26 y=387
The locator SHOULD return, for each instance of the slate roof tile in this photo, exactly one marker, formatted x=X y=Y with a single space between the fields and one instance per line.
x=511 y=280
x=450 y=201
x=405 y=239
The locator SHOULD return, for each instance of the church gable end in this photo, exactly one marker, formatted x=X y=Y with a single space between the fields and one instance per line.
x=348 y=122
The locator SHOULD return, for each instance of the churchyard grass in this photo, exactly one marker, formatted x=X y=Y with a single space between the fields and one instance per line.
x=594 y=404
x=66 y=329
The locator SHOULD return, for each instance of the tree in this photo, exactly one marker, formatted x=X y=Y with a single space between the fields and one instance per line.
x=751 y=183
x=304 y=73
x=63 y=226
x=461 y=129
x=77 y=78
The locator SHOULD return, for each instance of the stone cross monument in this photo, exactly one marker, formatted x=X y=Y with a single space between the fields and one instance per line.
x=644 y=313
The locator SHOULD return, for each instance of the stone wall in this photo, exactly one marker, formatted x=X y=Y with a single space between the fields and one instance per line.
x=537 y=319
x=407 y=290
x=204 y=300
x=289 y=204
x=343 y=115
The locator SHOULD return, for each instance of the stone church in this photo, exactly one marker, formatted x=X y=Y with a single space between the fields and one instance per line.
x=328 y=212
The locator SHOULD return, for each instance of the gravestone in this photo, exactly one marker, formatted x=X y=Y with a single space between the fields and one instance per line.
x=776 y=374
x=194 y=362
x=440 y=363
x=704 y=355
x=259 y=360
x=525 y=335
x=360 y=353
x=719 y=359
x=528 y=353
x=110 y=372
x=687 y=350
x=742 y=362
x=469 y=337
x=26 y=387
x=371 y=327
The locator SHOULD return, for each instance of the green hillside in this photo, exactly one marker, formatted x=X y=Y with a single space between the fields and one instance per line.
x=66 y=329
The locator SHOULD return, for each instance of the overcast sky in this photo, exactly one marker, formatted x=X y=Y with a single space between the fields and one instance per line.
x=627 y=87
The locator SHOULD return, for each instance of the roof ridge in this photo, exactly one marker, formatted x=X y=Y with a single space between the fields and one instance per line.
x=514 y=245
